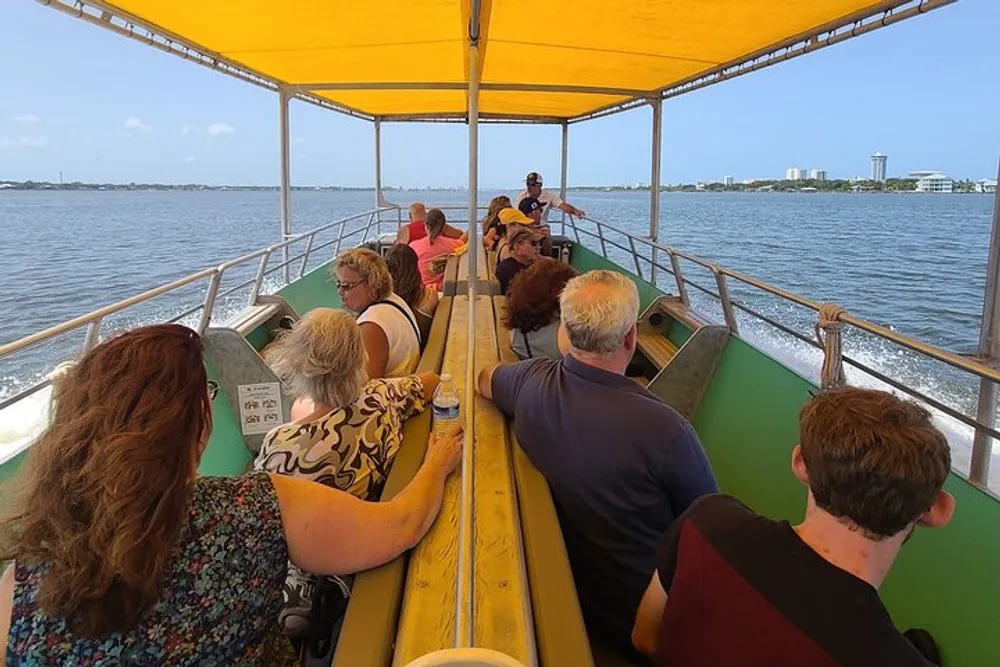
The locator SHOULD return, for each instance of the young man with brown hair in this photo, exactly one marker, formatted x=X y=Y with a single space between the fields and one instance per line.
x=735 y=588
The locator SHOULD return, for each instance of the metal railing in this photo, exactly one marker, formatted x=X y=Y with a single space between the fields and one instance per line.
x=627 y=242
x=213 y=276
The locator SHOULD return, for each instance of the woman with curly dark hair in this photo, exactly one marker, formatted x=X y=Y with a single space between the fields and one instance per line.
x=532 y=313
x=120 y=553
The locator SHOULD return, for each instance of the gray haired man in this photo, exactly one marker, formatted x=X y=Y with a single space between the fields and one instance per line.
x=621 y=464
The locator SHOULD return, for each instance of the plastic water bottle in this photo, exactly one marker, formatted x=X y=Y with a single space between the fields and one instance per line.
x=446 y=412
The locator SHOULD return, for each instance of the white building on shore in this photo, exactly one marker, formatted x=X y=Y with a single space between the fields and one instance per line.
x=986 y=185
x=793 y=174
x=818 y=174
x=933 y=181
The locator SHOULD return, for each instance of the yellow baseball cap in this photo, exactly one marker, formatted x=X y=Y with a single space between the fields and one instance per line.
x=511 y=216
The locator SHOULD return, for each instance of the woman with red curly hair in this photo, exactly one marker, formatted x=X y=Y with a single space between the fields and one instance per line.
x=533 y=308
x=122 y=554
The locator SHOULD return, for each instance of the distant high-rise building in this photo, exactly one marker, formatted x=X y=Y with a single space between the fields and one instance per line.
x=794 y=174
x=878 y=167
x=728 y=180
x=818 y=174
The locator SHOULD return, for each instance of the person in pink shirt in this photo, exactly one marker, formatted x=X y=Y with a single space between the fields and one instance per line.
x=433 y=247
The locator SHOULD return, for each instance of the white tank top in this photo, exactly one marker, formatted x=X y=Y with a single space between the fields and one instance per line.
x=400 y=328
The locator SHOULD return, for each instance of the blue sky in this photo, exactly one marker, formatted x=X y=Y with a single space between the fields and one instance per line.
x=100 y=107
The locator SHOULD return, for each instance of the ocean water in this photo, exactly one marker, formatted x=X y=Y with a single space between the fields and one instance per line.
x=912 y=262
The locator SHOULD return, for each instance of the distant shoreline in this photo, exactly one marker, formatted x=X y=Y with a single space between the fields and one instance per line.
x=892 y=186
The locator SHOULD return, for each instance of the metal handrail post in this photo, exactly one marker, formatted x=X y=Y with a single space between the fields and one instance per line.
x=682 y=292
x=635 y=258
x=989 y=349
x=259 y=280
x=576 y=232
x=727 y=304
x=209 y=304
x=340 y=238
x=600 y=235
x=93 y=334
x=654 y=183
x=564 y=170
x=286 y=187
x=305 y=256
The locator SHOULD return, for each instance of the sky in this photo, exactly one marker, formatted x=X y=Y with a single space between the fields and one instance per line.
x=102 y=108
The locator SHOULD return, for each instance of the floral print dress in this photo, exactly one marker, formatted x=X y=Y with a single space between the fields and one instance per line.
x=351 y=449
x=219 y=597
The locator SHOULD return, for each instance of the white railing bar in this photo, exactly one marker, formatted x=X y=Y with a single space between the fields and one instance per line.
x=77 y=322
x=14 y=398
x=954 y=360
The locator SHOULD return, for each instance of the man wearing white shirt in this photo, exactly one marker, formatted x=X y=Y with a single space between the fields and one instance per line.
x=533 y=188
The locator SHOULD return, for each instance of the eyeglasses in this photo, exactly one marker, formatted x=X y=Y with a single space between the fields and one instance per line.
x=347 y=287
x=213 y=389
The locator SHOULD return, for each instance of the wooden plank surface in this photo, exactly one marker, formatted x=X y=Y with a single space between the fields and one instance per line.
x=657 y=347
x=427 y=618
x=501 y=598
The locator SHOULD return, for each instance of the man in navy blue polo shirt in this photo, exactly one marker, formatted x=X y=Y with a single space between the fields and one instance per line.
x=621 y=464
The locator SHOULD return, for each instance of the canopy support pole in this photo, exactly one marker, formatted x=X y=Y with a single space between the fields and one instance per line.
x=989 y=351
x=564 y=170
x=654 y=182
x=466 y=538
x=378 y=163
x=286 y=188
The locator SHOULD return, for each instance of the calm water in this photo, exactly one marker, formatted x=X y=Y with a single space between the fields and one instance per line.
x=915 y=262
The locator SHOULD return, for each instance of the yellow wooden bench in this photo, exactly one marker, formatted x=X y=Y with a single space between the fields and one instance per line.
x=655 y=346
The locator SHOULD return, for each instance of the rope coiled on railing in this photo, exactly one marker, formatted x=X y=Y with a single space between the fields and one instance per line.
x=829 y=333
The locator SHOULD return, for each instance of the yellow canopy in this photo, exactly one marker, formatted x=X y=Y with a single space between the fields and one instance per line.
x=544 y=59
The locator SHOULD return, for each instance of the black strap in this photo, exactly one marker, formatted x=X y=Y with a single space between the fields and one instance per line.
x=411 y=320
x=527 y=345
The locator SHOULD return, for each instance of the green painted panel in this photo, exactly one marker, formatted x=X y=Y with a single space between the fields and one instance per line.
x=226 y=454
x=10 y=468
x=259 y=338
x=312 y=290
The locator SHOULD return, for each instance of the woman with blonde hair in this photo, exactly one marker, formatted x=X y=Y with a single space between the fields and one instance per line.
x=120 y=553
x=389 y=328
x=434 y=247
x=345 y=431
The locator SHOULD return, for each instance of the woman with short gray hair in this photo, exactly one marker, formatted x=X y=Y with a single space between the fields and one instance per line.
x=345 y=431
x=389 y=328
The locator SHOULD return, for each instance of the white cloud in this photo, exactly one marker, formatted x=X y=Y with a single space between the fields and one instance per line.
x=190 y=158
x=133 y=123
x=298 y=140
x=24 y=142
x=218 y=129
x=26 y=118
x=186 y=129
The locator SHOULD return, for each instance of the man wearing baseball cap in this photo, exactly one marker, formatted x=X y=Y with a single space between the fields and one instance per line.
x=548 y=199
x=523 y=244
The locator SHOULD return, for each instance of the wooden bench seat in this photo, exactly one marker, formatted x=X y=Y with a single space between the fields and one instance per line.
x=655 y=346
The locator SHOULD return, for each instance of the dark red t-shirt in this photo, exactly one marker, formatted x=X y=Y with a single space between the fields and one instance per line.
x=418 y=230
x=745 y=591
